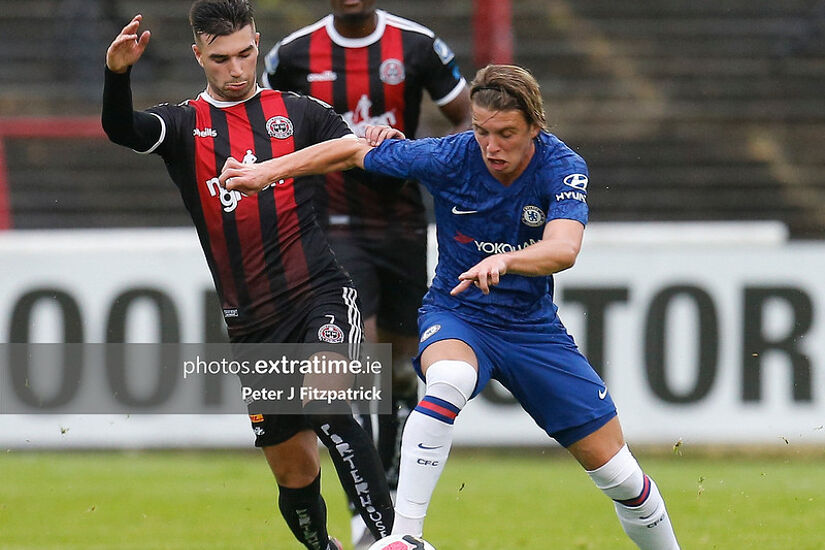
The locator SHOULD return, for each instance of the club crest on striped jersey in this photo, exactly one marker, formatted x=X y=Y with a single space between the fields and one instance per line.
x=279 y=127
x=391 y=71
x=330 y=332
x=430 y=331
x=532 y=216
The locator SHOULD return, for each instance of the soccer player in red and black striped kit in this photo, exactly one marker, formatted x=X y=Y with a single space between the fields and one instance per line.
x=276 y=276
x=372 y=67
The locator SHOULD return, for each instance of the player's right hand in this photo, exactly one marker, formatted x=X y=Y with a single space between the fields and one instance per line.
x=249 y=179
x=376 y=134
x=127 y=47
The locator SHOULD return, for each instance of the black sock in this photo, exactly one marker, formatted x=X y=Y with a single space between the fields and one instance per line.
x=359 y=468
x=389 y=435
x=306 y=514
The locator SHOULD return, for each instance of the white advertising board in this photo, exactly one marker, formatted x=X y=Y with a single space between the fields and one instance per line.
x=707 y=343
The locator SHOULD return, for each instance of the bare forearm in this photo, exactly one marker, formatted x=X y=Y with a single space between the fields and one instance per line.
x=330 y=156
x=543 y=258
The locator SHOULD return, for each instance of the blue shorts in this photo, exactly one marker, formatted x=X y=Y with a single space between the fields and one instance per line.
x=540 y=365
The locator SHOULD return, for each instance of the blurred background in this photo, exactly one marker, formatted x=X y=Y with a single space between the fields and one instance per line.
x=684 y=110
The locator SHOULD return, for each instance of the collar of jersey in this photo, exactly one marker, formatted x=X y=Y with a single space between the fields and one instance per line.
x=345 y=42
x=225 y=104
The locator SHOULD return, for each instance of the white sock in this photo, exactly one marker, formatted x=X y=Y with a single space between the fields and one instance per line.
x=426 y=442
x=638 y=503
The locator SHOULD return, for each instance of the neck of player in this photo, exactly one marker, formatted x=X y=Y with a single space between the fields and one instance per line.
x=356 y=27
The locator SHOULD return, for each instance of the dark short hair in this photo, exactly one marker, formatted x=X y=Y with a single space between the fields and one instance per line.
x=220 y=17
x=509 y=87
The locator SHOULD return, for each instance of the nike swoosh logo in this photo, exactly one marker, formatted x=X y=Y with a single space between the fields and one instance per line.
x=428 y=448
x=460 y=212
x=603 y=393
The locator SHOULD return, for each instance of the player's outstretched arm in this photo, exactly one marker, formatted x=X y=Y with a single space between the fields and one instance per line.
x=334 y=155
x=127 y=47
x=556 y=251
x=137 y=130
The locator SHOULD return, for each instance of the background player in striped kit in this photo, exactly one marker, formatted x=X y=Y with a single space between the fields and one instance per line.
x=511 y=206
x=277 y=279
x=372 y=67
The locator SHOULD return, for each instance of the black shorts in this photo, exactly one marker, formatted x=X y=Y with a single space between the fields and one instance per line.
x=389 y=272
x=328 y=317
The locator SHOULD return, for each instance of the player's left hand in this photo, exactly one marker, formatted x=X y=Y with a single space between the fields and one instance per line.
x=484 y=274
x=376 y=134
x=249 y=179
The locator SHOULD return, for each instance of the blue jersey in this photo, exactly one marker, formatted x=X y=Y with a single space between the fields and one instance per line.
x=477 y=216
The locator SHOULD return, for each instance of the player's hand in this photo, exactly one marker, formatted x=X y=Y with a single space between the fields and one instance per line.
x=484 y=274
x=249 y=179
x=127 y=47
x=376 y=134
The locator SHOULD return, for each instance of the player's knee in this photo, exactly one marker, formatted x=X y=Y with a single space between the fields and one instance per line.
x=621 y=478
x=294 y=468
x=452 y=381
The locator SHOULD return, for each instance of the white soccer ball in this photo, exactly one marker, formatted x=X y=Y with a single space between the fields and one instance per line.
x=402 y=542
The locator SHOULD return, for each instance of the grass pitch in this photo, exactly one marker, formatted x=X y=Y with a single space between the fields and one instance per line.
x=485 y=501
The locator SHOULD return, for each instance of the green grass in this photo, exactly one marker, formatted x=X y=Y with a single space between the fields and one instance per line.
x=485 y=501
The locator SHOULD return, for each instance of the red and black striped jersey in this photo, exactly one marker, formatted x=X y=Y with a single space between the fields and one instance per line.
x=378 y=79
x=267 y=252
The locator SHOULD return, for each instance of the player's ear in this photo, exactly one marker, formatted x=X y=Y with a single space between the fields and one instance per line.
x=197 y=52
x=257 y=39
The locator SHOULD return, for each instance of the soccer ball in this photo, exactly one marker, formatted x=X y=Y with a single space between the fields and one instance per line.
x=402 y=542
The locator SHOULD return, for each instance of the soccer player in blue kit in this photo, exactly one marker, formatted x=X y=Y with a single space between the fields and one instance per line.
x=510 y=206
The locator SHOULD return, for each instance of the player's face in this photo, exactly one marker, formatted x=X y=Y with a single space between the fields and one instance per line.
x=506 y=141
x=229 y=63
x=353 y=9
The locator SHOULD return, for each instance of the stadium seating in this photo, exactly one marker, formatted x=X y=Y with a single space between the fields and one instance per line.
x=684 y=109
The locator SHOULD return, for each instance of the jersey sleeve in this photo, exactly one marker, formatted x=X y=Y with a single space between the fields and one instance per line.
x=444 y=81
x=568 y=188
x=428 y=160
x=173 y=130
x=326 y=123
x=146 y=131
x=137 y=130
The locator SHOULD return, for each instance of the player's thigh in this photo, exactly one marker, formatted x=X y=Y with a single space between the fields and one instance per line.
x=333 y=331
x=557 y=387
x=444 y=336
x=448 y=350
x=334 y=317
